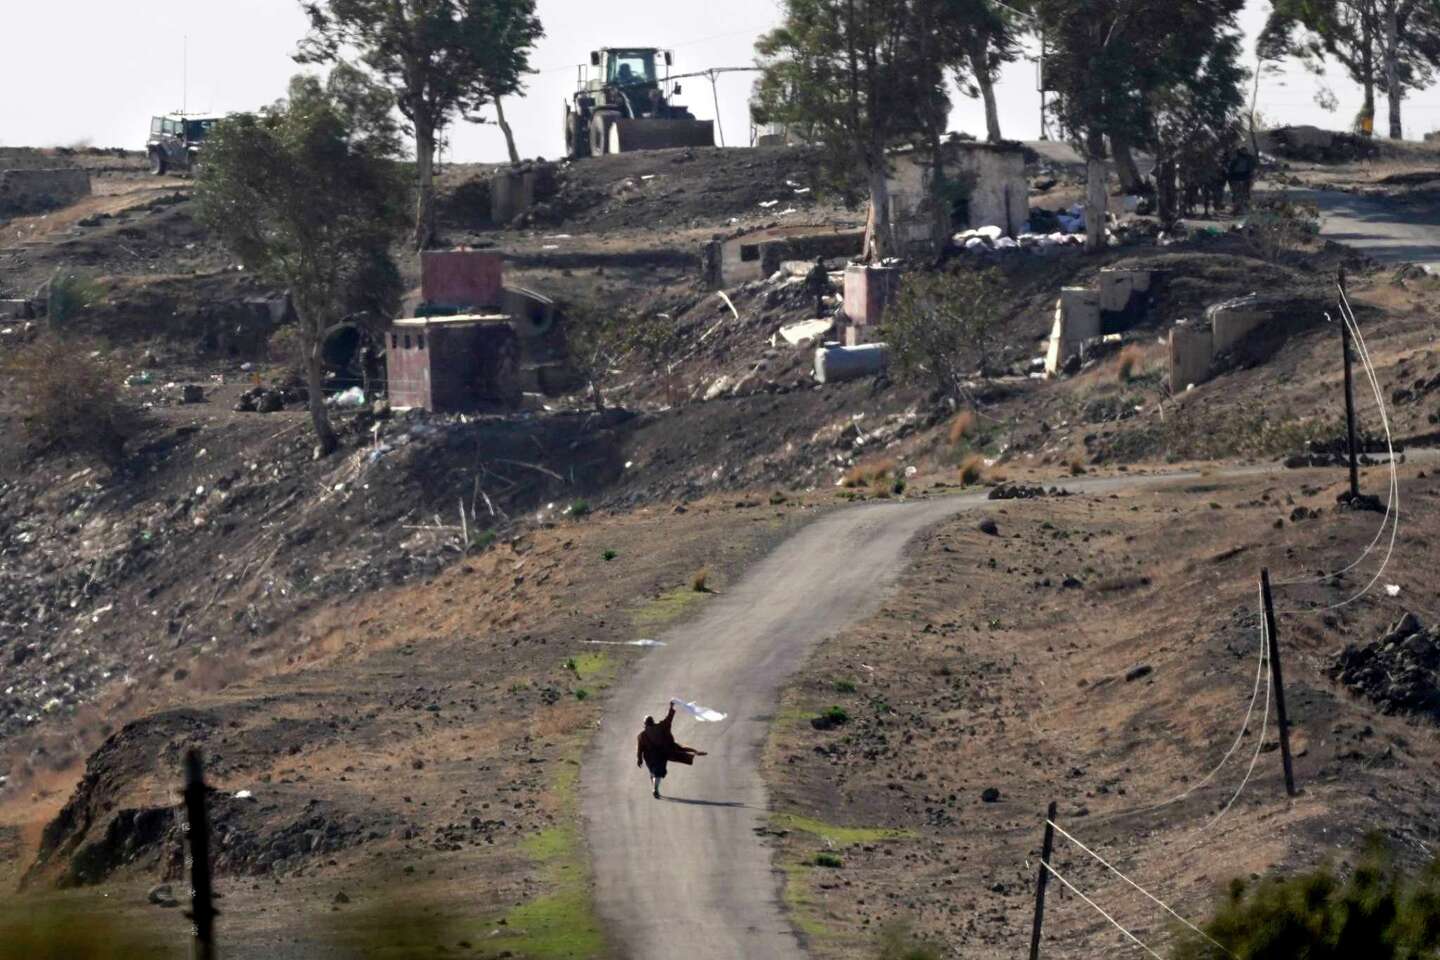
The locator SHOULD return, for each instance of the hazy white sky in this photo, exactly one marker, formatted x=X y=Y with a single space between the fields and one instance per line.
x=95 y=70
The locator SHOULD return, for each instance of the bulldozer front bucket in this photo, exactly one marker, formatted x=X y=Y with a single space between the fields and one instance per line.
x=644 y=134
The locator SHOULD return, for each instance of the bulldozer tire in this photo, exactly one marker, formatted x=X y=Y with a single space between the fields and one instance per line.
x=577 y=137
x=600 y=125
x=157 y=163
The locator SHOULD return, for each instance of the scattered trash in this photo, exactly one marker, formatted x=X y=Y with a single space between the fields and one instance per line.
x=767 y=204
x=1393 y=589
x=243 y=795
x=141 y=379
x=353 y=397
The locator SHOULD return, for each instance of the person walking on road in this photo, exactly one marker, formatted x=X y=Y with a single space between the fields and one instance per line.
x=656 y=747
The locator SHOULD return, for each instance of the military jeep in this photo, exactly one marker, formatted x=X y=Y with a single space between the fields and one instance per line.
x=175 y=141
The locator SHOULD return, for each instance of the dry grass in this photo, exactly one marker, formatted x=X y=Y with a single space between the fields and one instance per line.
x=869 y=474
x=962 y=426
x=71 y=399
x=699 y=580
x=971 y=469
x=1132 y=361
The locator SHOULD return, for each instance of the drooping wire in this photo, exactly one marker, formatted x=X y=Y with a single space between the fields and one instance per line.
x=1394 y=478
x=1098 y=909
x=1150 y=896
x=1364 y=351
x=1259 y=741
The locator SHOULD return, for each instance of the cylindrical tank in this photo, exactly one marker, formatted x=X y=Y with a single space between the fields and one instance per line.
x=834 y=363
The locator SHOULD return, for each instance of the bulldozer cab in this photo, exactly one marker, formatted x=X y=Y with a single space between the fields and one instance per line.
x=625 y=102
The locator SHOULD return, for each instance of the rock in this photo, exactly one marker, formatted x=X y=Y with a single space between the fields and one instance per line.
x=341 y=897
x=989 y=528
x=1140 y=672
x=1071 y=583
x=192 y=393
x=990 y=795
x=162 y=895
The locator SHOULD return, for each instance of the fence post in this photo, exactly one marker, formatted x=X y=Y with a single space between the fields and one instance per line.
x=1040 y=882
x=1349 y=393
x=1277 y=681
x=197 y=830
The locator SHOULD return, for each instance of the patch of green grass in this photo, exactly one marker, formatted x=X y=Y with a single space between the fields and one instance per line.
x=800 y=901
x=845 y=686
x=588 y=665
x=560 y=923
x=666 y=608
x=580 y=508
x=582 y=694
x=838 y=836
x=831 y=860
x=83 y=930
x=608 y=555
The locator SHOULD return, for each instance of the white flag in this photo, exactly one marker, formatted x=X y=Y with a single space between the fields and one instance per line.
x=703 y=714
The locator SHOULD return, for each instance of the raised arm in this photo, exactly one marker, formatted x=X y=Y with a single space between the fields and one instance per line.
x=669 y=716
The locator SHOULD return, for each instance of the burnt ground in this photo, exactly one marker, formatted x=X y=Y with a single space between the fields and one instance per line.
x=1098 y=652
x=226 y=590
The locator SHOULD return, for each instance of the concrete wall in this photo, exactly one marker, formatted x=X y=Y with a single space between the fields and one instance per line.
x=461 y=278
x=758 y=254
x=1191 y=350
x=33 y=191
x=999 y=192
x=1077 y=319
x=512 y=192
x=1233 y=321
x=867 y=291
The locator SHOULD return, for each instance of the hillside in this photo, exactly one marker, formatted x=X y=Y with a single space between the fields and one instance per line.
x=392 y=698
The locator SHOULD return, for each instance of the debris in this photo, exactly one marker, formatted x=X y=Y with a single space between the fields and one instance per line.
x=989 y=528
x=1398 y=672
x=806 y=331
x=353 y=398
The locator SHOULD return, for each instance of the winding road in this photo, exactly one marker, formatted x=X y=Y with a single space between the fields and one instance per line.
x=687 y=876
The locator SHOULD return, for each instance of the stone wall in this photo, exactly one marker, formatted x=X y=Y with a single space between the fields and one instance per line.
x=998 y=193
x=37 y=190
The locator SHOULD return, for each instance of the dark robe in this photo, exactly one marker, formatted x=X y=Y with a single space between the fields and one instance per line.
x=656 y=746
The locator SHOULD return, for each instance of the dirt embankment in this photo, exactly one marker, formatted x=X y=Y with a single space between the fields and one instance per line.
x=1100 y=653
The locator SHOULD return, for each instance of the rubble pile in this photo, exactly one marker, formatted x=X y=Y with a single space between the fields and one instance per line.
x=1398 y=672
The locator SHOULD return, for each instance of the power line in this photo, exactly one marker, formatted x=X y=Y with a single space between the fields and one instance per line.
x=1096 y=907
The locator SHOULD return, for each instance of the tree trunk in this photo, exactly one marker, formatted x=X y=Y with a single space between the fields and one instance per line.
x=505 y=129
x=1367 y=61
x=986 y=83
x=878 y=242
x=1097 y=198
x=325 y=438
x=1392 y=74
x=940 y=225
x=1125 y=166
x=1167 y=192
x=425 y=200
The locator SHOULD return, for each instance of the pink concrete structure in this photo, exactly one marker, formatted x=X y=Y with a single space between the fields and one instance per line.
x=461 y=278
x=867 y=291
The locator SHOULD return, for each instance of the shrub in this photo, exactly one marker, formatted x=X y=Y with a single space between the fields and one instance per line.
x=961 y=426
x=971 y=468
x=844 y=686
x=898 y=487
x=608 y=555
x=582 y=694
x=836 y=715
x=831 y=860
x=1132 y=358
x=286 y=349
x=898 y=942
x=777 y=498
x=580 y=508
x=69 y=295
x=70 y=399
x=944 y=326
x=1279 y=225
x=698 y=581
x=869 y=474
x=1378 y=912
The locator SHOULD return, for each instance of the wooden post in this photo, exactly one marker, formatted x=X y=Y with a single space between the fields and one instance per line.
x=1349 y=396
x=1277 y=681
x=197 y=829
x=1040 y=881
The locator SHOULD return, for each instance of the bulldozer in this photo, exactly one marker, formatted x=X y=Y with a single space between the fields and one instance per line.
x=626 y=104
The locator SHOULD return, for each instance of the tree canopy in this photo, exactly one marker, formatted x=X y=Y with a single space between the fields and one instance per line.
x=309 y=193
x=439 y=58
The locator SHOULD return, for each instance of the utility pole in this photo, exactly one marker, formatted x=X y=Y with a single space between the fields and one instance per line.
x=197 y=829
x=1046 y=849
x=1276 y=680
x=1044 y=125
x=715 y=93
x=1349 y=394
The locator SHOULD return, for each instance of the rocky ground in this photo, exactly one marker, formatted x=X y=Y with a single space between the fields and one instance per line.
x=302 y=621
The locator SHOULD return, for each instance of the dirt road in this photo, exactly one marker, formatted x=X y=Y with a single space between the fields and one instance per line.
x=687 y=875
x=1386 y=230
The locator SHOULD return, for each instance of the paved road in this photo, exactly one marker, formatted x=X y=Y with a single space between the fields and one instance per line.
x=686 y=876
x=1388 y=231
